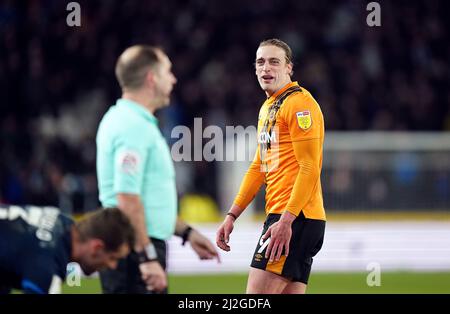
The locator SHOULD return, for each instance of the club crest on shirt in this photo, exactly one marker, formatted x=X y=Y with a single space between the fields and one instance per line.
x=304 y=119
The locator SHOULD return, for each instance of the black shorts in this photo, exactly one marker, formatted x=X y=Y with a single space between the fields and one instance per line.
x=126 y=278
x=306 y=242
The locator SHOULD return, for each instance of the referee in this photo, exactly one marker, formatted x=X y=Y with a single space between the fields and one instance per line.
x=135 y=172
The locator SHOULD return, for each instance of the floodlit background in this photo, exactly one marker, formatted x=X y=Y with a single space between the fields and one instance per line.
x=384 y=92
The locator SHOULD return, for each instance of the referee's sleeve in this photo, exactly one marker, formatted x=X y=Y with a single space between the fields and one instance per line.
x=129 y=165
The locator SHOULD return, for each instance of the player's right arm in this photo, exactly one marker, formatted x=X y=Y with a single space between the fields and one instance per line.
x=250 y=185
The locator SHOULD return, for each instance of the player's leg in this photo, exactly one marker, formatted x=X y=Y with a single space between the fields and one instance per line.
x=308 y=237
x=264 y=277
x=264 y=282
x=295 y=288
x=291 y=273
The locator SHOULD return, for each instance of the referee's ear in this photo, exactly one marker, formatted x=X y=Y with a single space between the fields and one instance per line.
x=150 y=80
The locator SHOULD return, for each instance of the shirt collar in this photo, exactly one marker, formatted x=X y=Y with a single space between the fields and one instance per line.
x=137 y=108
x=280 y=91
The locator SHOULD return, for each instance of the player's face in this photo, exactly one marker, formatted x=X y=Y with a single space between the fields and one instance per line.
x=164 y=80
x=97 y=258
x=272 y=69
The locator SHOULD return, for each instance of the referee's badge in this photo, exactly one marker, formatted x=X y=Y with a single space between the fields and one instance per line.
x=304 y=119
x=129 y=162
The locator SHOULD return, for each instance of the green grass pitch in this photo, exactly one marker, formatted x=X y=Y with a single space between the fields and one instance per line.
x=341 y=283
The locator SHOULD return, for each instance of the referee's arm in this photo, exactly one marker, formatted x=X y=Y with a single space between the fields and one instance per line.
x=152 y=272
x=132 y=205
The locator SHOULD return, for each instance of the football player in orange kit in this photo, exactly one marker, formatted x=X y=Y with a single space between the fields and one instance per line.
x=288 y=161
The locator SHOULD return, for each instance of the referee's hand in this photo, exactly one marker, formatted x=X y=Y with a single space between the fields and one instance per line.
x=202 y=246
x=153 y=275
x=223 y=233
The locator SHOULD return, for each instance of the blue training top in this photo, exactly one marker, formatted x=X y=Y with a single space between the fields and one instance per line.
x=35 y=247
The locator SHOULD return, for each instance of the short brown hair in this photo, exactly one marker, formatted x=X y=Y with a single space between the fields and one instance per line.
x=133 y=65
x=110 y=225
x=280 y=44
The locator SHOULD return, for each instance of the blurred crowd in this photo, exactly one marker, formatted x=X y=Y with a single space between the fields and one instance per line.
x=392 y=77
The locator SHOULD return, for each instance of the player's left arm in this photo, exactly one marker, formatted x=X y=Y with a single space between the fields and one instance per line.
x=307 y=154
x=199 y=243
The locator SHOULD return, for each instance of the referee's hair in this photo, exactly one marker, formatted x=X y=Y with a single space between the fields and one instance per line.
x=110 y=225
x=280 y=44
x=133 y=65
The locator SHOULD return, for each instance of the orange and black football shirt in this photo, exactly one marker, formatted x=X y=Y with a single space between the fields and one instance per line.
x=289 y=156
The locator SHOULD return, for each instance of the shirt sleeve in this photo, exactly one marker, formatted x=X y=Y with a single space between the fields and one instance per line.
x=307 y=154
x=251 y=183
x=302 y=117
x=129 y=164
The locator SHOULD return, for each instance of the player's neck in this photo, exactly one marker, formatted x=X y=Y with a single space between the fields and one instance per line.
x=269 y=93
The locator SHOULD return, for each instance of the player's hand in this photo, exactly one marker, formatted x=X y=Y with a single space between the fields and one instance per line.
x=223 y=233
x=280 y=233
x=202 y=246
x=153 y=275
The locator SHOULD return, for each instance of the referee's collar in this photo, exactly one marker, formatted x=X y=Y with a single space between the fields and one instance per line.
x=137 y=108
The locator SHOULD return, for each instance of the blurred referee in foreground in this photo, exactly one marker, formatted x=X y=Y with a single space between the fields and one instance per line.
x=136 y=173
